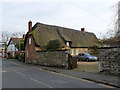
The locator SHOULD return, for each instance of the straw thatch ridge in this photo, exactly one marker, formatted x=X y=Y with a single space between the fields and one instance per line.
x=43 y=33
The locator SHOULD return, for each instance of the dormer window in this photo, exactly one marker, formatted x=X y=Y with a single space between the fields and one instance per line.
x=29 y=41
x=68 y=44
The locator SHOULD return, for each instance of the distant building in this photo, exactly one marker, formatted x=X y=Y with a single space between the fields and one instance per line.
x=13 y=46
x=74 y=41
x=2 y=50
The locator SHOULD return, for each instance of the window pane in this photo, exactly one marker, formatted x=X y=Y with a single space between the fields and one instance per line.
x=72 y=51
x=77 y=51
x=29 y=40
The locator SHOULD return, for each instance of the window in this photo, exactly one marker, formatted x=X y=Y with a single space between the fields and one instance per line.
x=77 y=51
x=13 y=54
x=72 y=51
x=29 y=40
x=67 y=43
x=83 y=54
x=80 y=54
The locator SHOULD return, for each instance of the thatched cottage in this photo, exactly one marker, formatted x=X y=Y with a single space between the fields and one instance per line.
x=74 y=41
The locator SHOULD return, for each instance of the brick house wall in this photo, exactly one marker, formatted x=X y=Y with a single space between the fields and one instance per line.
x=29 y=49
x=12 y=54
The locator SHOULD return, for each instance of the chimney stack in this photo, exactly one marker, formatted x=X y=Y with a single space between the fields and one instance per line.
x=83 y=29
x=30 y=26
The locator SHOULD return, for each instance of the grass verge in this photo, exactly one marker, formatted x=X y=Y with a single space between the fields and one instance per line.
x=87 y=66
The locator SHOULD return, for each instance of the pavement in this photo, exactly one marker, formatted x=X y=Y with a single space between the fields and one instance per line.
x=106 y=79
x=95 y=77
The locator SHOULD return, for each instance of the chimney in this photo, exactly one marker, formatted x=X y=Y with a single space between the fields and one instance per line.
x=30 y=26
x=23 y=36
x=83 y=29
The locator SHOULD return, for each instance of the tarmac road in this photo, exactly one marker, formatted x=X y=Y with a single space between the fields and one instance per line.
x=23 y=76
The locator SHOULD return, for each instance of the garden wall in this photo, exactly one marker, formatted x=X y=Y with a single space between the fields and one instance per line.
x=109 y=60
x=53 y=58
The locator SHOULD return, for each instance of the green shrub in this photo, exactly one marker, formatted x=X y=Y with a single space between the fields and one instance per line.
x=54 y=45
x=22 y=57
x=93 y=49
x=16 y=56
x=20 y=45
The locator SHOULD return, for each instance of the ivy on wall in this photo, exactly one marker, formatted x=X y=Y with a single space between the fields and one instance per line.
x=20 y=45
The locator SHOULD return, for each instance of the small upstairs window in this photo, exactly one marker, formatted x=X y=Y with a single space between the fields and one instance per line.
x=29 y=41
x=67 y=43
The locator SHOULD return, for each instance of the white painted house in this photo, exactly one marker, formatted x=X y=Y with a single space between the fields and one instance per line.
x=12 y=49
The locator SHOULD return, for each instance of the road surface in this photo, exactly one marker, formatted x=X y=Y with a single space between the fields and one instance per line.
x=16 y=75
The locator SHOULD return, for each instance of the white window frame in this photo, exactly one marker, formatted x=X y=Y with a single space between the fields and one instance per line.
x=77 y=51
x=29 y=41
x=72 y=51
x=68 y=44
x=13 y=54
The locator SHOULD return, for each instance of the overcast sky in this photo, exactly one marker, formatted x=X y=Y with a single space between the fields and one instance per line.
x=95 y=16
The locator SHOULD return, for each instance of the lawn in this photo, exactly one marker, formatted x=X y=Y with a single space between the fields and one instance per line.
x=87 y=66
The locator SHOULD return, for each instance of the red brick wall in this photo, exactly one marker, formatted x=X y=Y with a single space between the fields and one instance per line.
x=10 y=55
x=31 y=50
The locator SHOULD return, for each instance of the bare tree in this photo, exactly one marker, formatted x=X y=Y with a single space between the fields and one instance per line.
x=17 y=34
x=5 y=35
x=118 y=25
x=114 y=35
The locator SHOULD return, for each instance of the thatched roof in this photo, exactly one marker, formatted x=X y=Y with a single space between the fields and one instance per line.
x=43 y=33
x=15 y=40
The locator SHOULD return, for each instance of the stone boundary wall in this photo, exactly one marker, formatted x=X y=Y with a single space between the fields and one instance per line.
x=52 y=58
x=109 y=60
